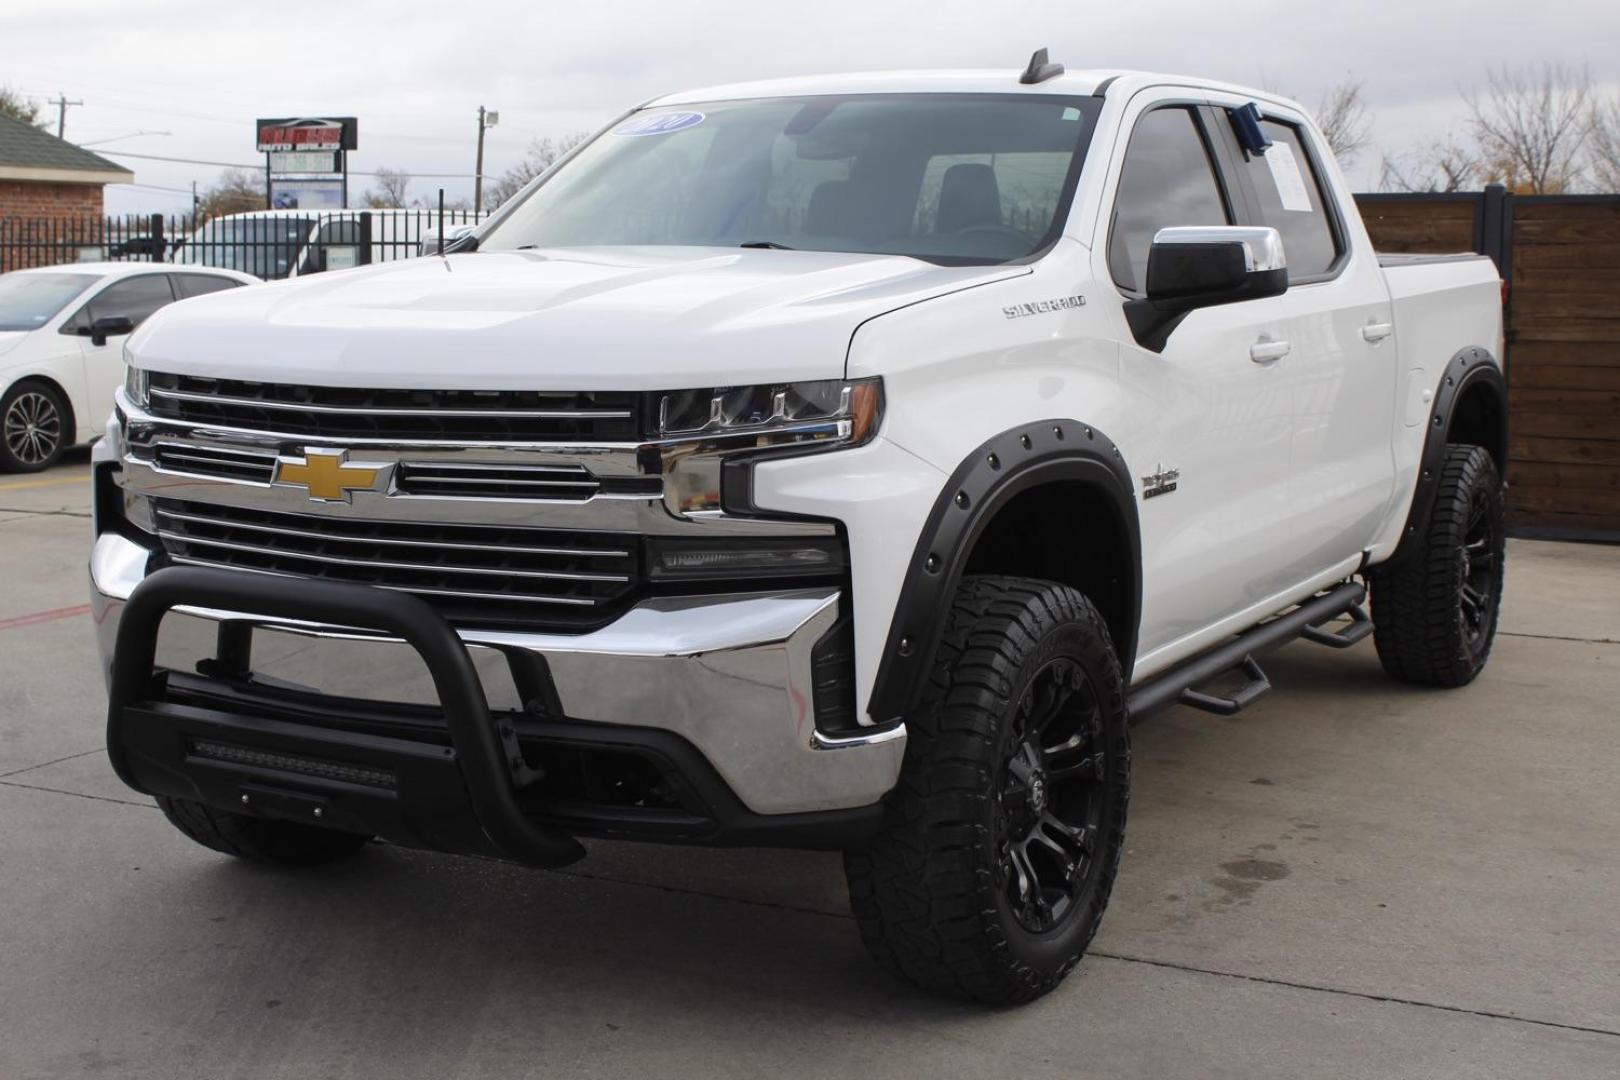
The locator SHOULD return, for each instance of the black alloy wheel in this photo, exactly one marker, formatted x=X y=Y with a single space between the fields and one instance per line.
x=1478 y=577
x=1050 y=807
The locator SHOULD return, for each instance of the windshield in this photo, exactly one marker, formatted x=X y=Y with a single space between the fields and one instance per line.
x=978 y=178
x=266 y=247
x=27 y=301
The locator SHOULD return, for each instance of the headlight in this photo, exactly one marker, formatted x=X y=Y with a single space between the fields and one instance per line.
x=843 y=410
x=137 y=384
x=699 y=429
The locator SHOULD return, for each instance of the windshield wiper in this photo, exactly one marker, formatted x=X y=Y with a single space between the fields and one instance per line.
x=767 y=244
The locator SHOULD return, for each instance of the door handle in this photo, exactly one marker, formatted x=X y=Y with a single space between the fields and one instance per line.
x=1374 y=332
x=1266 y=351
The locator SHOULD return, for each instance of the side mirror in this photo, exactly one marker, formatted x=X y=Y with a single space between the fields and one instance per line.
x=110 y=326
x=1192 y=268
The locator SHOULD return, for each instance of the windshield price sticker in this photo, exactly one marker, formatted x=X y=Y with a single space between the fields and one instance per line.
x=1285 y=174
x=659 y=123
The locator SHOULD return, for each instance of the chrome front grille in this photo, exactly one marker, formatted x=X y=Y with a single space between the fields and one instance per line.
x=459 y=416
x=483 y=574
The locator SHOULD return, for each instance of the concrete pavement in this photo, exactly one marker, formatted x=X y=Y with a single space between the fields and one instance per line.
x=1351 y=879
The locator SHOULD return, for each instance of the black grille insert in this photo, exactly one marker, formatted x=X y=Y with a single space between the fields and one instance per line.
x=566 y=483
x=196 y=460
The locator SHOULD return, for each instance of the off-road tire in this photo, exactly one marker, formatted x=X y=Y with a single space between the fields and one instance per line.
x=928 y=892
x=24 y=449
x=1421 y=614
x=261 y=840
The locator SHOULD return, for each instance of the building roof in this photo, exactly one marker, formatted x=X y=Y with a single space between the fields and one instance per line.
x=27 y=153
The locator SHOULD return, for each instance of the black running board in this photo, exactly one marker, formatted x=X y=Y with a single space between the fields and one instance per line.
x=1180 y=684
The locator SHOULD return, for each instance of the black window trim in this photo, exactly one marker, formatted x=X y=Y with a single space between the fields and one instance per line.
x=1235 y=215
x=1236 y=159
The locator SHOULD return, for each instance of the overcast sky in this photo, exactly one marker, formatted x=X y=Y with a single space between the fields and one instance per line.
x=415 y=73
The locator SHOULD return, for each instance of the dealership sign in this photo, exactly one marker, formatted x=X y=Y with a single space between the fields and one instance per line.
x=308 y=133
x=305 y=161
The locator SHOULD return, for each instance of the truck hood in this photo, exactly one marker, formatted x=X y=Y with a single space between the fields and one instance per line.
x=576 y=319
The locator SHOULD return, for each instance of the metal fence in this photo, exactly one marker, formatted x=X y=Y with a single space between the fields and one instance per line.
x=268 y=244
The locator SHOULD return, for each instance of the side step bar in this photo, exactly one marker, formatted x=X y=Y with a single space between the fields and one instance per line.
x=1179 y=685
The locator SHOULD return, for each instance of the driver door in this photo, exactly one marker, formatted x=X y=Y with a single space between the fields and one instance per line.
x=1211 y=451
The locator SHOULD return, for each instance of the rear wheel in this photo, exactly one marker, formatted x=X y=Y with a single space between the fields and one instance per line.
x=33 y=427
x=994 y=865
x=264 y=840
x=1434 y=614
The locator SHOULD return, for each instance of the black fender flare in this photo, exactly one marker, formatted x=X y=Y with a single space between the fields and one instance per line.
x=1469 y=368
x=1016 y=460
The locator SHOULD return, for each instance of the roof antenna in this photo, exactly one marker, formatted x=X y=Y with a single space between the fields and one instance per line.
x=1040 y=69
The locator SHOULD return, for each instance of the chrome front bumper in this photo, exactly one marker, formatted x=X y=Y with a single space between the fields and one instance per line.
x=731 y=674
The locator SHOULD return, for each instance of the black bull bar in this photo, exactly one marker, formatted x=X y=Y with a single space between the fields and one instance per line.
x=477 y=750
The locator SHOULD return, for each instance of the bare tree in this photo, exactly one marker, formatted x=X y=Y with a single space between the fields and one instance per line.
x=1603 y=145
x=14 y=104
x=541 y=155
x=1531 y=124
x=1342 y=116
x=237 y=191
x=390 y=191
x=1441 y=165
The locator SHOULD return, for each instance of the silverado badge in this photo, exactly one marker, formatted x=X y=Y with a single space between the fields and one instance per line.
x=1161 y=481
x=325 y=476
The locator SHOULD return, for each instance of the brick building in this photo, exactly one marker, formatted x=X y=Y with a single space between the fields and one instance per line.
x=43 y=177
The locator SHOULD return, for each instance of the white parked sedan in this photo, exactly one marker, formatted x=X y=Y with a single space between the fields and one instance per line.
x=62 y=331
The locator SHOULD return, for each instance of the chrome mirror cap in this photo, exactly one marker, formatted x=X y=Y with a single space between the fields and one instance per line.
x=1262 y=245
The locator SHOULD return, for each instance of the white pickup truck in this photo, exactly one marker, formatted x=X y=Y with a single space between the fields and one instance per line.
x=836 y=462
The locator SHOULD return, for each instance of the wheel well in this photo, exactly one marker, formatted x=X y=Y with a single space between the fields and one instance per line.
x=1068 y=532
x=72 y=422
x=1478 y=419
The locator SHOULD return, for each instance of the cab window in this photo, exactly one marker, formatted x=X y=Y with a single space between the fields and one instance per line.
x=1286 y=182
x=1167 y=180
x=188 y=285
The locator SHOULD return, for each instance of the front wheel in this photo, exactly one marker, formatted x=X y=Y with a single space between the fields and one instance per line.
x=991 y=872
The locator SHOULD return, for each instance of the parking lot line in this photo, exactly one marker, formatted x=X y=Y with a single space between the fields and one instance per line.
x=36 y=617
x=28 y=485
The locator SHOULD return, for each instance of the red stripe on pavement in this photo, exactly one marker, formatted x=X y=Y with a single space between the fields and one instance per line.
x=43 y=616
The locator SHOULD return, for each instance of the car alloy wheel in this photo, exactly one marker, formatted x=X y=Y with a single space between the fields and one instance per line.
x=33 y=428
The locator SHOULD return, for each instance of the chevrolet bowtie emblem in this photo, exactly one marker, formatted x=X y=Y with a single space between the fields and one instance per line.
x=325 y=475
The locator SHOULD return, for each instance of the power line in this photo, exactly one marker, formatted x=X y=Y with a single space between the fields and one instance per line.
x=155 y=187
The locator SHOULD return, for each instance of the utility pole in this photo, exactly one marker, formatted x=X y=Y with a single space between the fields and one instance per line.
x=487 y=118
x=61 y=102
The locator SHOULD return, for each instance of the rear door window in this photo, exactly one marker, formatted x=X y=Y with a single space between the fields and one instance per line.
x=1167 y=180
x=1286 y=182
x=201 y=284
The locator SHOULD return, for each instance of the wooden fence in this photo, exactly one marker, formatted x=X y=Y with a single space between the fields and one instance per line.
x=1561 y=257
